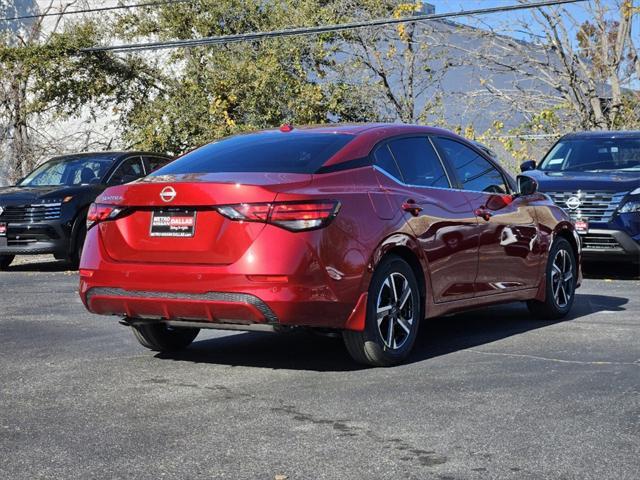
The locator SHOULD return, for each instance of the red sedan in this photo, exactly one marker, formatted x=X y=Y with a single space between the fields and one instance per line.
x=363 y=229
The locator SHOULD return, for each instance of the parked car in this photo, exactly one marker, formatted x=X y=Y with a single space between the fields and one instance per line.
x=360 y=229
x=595 y=178
x=46 y=211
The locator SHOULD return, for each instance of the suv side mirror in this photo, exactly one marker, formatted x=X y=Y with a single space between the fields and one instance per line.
x=526 y=185
x=528 y=165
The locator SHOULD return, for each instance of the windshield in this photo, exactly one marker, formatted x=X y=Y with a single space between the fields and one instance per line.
x=68 y=171
x=292 y=152
x=593 y=155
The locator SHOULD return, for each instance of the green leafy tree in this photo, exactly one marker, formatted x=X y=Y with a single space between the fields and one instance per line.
x=212 y=91
x=43 y=80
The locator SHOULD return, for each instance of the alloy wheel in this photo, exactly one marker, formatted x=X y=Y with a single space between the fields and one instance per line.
x=395 y=311
x=562 y=278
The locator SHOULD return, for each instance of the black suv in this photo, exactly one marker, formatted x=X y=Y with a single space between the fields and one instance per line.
x=595 y=177
x=46 y=211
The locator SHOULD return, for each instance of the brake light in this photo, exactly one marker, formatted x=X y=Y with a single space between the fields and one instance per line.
x=99 y=212
x=294 y=216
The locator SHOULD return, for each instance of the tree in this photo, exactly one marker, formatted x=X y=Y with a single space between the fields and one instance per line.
x=589 y=69
x=401 y=67
x=209 y=92
x=44 y=80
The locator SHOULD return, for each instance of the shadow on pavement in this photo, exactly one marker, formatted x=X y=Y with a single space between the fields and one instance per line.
x=438 y=336
x=611 y=270
x=45 y=266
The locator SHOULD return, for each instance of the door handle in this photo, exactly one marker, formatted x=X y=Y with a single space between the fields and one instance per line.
x=483 y=213
x=412 y=207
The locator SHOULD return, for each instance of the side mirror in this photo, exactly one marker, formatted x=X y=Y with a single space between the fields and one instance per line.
x=526 y=185
x=528 y=165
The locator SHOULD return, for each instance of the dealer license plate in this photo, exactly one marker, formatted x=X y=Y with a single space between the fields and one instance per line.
x=582 y=226
x=173 y=223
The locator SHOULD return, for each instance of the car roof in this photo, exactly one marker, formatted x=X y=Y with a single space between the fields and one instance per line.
x=357 y=128
x=368 y=135
x=108 y=155
x=603 y=134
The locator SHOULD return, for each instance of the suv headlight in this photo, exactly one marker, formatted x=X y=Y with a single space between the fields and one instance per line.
x=631 y=206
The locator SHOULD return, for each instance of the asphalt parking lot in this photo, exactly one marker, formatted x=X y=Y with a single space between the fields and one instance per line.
x=488 y=394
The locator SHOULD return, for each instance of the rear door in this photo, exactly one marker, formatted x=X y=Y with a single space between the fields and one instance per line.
x=441 y=218
x=508 y=254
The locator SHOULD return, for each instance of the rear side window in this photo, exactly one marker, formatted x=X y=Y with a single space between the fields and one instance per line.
x=475 y=173
x=385 y=161
x=418 y=162
x=128 y=171
x=291 y=152
x=154 y=163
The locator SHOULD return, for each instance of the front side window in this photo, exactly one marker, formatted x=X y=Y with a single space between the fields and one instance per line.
x=475 y=173
x=593 y=155
x=68 y=171
x=290 y=152
x=418 y=162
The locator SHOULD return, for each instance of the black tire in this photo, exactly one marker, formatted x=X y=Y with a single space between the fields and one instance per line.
x=159 y=337
x=370 y=347
x=5 y=261
x=560 y=283
x=78 y=244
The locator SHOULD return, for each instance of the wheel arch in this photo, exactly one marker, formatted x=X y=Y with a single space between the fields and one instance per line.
x=407 y=248
x=567 y=231
x=81 y=216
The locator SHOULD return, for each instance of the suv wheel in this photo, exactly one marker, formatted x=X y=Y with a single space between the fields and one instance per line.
x=74 y=256
x=163 y=338
x=5 y=261
x=560 y=279
x=393 y=315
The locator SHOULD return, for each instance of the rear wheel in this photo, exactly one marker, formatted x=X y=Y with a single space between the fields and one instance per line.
x=163 y=338
x=393 y=315
x=5 y=261
x=560 y=279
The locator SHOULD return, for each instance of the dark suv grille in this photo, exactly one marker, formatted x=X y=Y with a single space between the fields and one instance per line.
x=600 y=241
x=594 y=206
x=31 y=213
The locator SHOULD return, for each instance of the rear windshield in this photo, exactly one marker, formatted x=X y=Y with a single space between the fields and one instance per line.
x=593 y=155
x=290 y=152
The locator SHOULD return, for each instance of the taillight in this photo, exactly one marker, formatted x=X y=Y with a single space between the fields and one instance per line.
x=294 y=216
x=99 y=212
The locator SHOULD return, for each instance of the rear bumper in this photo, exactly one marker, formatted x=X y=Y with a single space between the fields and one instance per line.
x=217 y=307
x=605 y=244
x=269 y=285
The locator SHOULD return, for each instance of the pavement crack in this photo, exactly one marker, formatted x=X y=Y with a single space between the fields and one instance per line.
x=551 y=359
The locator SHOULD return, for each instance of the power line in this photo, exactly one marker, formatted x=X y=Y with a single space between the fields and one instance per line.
x=246 y=37
x=92 y=10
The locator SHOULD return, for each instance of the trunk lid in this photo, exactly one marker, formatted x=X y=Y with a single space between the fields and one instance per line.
x=214 y=240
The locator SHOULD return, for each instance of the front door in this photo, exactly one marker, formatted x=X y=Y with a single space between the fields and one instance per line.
x=509 y=254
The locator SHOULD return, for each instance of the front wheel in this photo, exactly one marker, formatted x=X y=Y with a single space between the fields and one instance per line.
x=393 y=315
x=163 y=338
x=5 y=261
x=561 y=273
